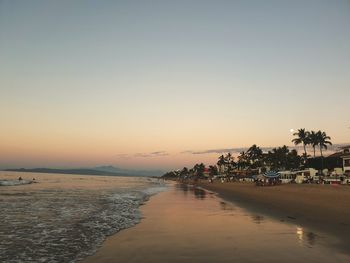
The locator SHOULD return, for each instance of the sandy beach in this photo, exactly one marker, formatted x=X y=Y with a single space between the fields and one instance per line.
x=188 y=224
x=320 y=207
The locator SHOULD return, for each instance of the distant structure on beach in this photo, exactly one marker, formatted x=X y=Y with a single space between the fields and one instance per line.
x=346 y=158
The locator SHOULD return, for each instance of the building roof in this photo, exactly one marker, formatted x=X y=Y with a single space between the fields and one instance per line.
x=271 y=174
x=336 y=155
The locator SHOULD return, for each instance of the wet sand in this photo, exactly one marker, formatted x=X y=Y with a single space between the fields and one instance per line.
x=186 y=224
x=320 y=207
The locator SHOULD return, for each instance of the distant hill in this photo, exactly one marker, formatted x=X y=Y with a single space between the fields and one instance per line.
x=101 y=170
x=113 y=169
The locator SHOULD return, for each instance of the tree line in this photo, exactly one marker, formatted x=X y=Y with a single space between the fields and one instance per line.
x=279 y=158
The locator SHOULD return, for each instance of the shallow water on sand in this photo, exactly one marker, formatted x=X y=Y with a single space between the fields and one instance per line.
x=187 y=224
x=63 y=218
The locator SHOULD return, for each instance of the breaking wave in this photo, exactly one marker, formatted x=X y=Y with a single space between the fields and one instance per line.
x=60 y=225
x=14 y=182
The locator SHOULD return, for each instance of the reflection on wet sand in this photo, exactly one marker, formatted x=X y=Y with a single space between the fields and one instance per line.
x=199 y=193
x=184 y=225
x=226 y=206
x=183 y=187
x=257 y=219
x=309 y=237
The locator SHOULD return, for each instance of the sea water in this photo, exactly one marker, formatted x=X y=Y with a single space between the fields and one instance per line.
x=64 y=218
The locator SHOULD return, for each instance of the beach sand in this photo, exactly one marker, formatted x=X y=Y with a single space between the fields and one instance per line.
x=319 y=207
x=187 y=224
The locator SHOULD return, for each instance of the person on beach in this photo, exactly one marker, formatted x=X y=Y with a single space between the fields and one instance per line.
x=20 y=178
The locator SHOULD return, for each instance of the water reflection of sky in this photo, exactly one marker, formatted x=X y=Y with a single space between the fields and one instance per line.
x=249 y=230
x=198 y=193
x=306 y=238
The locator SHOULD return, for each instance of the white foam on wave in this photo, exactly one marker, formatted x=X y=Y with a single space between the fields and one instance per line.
x=155 y=190
x=66 y=226
x=14 y=182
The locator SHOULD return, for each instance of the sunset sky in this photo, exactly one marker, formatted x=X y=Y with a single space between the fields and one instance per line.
x=143 y=84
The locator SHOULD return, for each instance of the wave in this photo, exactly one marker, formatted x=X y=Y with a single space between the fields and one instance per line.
x=14 y=182
x=66 y=225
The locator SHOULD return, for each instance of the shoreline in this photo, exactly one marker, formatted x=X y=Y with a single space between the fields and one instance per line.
x=190 y=224
x=324 y=208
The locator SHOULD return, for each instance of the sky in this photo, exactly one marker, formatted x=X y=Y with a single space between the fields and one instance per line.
x=145 y=84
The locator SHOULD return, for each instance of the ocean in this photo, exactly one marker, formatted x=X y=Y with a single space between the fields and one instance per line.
x=64 y=218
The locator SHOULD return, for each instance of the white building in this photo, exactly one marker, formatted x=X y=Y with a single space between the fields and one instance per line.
x=346 y=158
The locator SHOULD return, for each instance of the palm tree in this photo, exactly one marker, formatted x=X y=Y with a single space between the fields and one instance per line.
x=243 y=160
x=313 y=140
x=221 y=163
x=323 y=140
x=293 y=160
x=213 y=170
x=255 y=155
x=229 y=163
x=199 y=169
x=303 y=137
x=278 y=158
x=184 y=172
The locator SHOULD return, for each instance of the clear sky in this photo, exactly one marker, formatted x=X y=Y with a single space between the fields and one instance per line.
x=136 y=83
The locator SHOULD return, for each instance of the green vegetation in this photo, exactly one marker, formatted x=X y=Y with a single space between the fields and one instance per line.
x=312 y=138
x=254 y=160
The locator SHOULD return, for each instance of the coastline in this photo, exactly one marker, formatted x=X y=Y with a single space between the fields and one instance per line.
x=64 y=218
x=189 y=224
x=324 y=208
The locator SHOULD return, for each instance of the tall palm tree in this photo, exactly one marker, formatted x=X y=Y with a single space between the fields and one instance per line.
x=302 y=137
x=229 y=162
x=313 y=140
x=221 y=163
x=243 y=160
x=323 y=140
x=255 y=155
x=199 y=169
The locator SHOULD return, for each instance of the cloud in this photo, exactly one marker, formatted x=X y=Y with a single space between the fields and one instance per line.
x=186 y=152
x=152 y=154
x=123 y=155
x=143 y=155
x=226 y=150
x=217 y=151
x=160 y=153
x=238 y=150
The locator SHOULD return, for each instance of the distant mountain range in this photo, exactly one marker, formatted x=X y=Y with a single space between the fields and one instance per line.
x=100 y=170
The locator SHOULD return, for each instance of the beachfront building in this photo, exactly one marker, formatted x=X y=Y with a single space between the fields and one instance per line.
x=346 y=158
x=306 y=175
x=287 y=176
x=298 y=177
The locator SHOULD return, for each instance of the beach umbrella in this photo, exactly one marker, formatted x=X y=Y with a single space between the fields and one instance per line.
x=271 y=174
